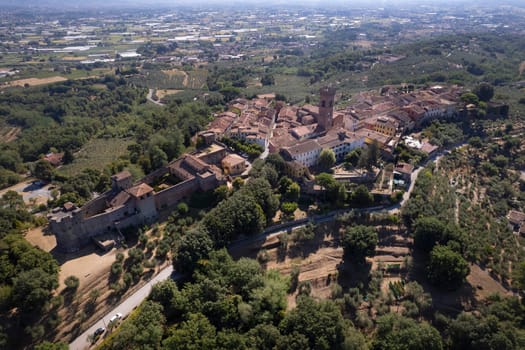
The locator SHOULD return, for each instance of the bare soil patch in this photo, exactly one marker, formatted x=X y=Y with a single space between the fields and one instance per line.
x=74 y=58
x=484 y=283
x=92 y=267
x=43 y=241
x=161 y=93
x=9 y=134
x=36 y=81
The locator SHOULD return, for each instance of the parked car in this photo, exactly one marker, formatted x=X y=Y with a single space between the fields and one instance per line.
x=116 y=317
x=99 y=331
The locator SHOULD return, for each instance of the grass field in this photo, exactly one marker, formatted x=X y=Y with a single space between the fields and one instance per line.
x=96 y=154
x=293 y=87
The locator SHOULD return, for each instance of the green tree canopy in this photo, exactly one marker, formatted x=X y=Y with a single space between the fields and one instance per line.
x=484 y=91
x=320 y=322
x=361 y=197
x=359 y=242
x=194 y=245
x=447 y=269
x=400 y=333
x=143 y=331
x=326 y=159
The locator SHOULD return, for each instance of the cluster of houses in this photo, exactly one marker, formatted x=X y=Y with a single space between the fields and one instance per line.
x=299 y=133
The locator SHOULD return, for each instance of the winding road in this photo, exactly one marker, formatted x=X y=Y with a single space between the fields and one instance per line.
x=149 y=97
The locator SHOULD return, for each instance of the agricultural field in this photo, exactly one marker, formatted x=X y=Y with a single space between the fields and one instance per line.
x=96 y=154
x=171 y=79
x=8 y=133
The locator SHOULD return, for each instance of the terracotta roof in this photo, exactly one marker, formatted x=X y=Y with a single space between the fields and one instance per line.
x=232 y=159
x=194 y=163
x=516 y=217
x=122 y=175
x=120 y=199
x=140 y=190
x=303 y=147
x=54 y=158
x=288 y=112
x=311 y=109
x=428 y=148
x=302 y=131
x=404 y=168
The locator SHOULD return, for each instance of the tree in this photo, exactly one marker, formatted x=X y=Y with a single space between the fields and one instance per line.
x=326 y=159
x=163 y=292
x=370 y=156
x=293 y=191
x=470 y=98
x=518 y=276
x=143 y=331
x=359 y=242
x=397 y=332
x=93 y=295
x=195 y=333
x=447 y=269
x=293 y=341
x=261 y=190
x=264 y=336
x=472 y=332
x=68 y=157
x=415 y=292
x=361 y=197
x=72 y=283
x=32 y=289
x=484 y=91
x=52 y=346
x=194 y=245
x=239 y=214
x=427 y=232
x=320 y=322
x=268 y=79
x=44 y=170
x=289 y=207
x=353 y=156
x=335 y=192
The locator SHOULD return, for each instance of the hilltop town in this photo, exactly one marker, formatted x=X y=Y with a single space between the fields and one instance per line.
x=262 y=176
x=298 y=133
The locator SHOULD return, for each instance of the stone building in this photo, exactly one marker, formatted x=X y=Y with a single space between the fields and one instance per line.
x=133 y=204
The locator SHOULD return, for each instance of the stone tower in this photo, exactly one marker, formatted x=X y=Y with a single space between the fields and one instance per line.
x=326 y=107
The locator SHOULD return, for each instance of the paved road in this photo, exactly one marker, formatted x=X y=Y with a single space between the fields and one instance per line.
x=150 y=98
x=124 y=308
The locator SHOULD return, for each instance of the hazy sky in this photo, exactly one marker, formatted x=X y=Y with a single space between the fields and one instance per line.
x=316 y=3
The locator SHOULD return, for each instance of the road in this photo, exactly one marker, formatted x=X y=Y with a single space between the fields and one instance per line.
x=135 y=299
x=81 y=342
x=150 y=98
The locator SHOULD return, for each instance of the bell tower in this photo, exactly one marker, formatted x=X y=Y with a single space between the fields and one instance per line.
x=326 y=107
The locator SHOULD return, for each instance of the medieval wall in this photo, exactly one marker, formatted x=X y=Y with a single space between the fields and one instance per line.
x=151 y=177
x=95 y=206
x=175 y=194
